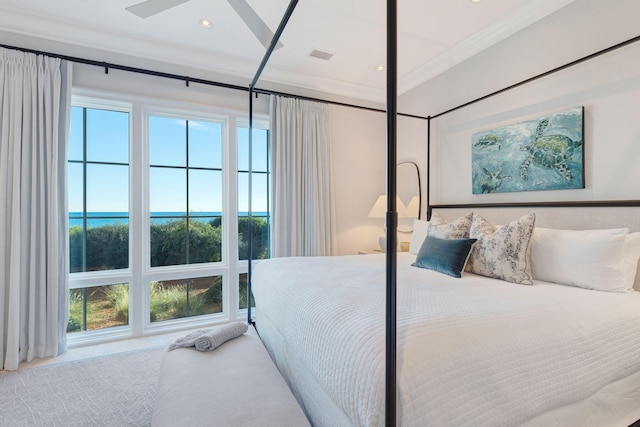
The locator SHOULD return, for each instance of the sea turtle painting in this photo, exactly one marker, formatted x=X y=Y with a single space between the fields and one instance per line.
x=492 y=181
x=489 y=140
x=549 y=151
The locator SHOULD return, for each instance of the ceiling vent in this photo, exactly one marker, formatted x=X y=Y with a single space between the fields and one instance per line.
x=320 y=54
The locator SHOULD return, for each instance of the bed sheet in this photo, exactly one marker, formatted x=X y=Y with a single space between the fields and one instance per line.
x=471 y=351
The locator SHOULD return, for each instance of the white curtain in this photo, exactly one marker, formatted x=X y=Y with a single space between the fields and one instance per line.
x=301 y=179
x=34 y=116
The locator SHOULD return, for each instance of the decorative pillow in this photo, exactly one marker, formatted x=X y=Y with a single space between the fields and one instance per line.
x=630 y=256
x=444 y=255
x=590 y=259
x=458 y=229
x=502 y=253
x=420 y=228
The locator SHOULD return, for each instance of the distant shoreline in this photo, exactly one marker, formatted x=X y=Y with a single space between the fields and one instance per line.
x=98 y=219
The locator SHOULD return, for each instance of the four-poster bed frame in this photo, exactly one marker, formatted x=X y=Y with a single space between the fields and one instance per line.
x=391 y=218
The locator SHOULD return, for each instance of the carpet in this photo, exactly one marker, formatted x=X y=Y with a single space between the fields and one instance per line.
x=114 y=390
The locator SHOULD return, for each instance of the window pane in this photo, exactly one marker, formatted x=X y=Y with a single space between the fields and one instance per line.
x=107 y=243
x=205 y=239
x=175 y=299
x=75 y=187
x=260 y=158
x=260 y=193
x=167 y=191
x=76 y=245
x=107 y=136
x=205 y=192
x=260 y=150
x=242 y=296
x=168 y=241
x=76 y=134
x=205 y=144
x=260 y=237
x=167 y=141
x=107 y=188
x=98 y=307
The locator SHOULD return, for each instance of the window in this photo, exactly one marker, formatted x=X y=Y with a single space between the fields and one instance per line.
x=259 y=201
x=98 y=194
x=185 y=191
x=260 y=193
x=157 y=227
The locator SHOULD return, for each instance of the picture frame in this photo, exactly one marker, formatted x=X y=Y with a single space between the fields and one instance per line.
x=546 y=153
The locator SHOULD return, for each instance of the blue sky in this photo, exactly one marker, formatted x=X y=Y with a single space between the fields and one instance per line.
x=107 y=136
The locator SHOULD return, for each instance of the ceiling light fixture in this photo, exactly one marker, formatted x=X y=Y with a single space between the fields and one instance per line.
x=475 y=1
x=380 y=68
x=205 y=23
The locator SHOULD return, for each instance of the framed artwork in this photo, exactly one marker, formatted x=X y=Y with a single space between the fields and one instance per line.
x=541 y=154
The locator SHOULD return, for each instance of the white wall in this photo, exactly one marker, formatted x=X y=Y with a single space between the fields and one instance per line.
x=359 y=171
x=608 y=87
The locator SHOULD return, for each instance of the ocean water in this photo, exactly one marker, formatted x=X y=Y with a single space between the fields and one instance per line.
x=99 y=219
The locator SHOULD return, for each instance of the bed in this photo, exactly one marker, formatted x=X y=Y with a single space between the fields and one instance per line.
x=473 y=350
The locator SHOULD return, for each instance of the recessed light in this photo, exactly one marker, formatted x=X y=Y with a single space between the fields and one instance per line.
x=205 y=23
x=380 y=68
x=475 y=1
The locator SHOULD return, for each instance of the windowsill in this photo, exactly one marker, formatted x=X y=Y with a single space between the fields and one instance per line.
x=107 y=348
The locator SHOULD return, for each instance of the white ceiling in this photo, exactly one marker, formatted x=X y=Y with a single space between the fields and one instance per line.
x=433 y=35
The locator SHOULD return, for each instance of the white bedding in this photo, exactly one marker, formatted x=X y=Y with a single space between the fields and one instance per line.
x=472 y=351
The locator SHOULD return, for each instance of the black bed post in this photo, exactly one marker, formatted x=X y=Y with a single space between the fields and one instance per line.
x=392 y=215
x=250 y=208
x=428 y=216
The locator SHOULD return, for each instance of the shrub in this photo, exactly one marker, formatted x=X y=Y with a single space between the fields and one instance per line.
x=213 y=295
x=170 y=302
x=118 y=295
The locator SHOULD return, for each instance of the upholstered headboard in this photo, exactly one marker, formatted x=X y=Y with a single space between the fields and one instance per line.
x=571 y=216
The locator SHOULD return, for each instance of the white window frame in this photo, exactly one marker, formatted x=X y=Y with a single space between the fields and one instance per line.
x=140 y=274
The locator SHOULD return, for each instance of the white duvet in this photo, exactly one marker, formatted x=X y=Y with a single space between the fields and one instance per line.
x=472 y=351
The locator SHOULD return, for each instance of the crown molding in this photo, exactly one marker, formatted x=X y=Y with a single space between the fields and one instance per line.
x=500 y=30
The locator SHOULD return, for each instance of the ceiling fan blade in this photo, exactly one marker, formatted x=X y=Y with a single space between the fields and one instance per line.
x=254 y=22
x=151 y=7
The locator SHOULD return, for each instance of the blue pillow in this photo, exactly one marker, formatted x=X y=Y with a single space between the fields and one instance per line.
x=444 y=256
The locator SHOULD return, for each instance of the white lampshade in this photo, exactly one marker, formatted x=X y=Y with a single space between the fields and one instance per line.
x=379 y=209
x=413 y=209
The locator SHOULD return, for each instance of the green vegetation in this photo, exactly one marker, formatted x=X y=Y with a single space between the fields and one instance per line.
x=171 y=302
x=171 y=243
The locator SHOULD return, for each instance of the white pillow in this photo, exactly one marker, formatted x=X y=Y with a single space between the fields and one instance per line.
x=630 y=255
x=420 y=228
x=590 y=259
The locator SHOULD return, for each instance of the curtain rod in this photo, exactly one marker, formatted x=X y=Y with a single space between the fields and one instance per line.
x=187 y=79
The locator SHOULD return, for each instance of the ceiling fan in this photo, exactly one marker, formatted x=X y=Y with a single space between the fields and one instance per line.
x=242 y=8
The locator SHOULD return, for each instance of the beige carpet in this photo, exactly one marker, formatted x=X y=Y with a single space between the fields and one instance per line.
x=115 y=390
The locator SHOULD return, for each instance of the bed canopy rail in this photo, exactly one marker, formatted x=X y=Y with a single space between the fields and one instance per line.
x=612 y=203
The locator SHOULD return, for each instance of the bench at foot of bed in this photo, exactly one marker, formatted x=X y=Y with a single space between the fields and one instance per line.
x=237 y=384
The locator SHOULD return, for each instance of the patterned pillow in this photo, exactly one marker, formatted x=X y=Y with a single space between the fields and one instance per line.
x=458 y=229
x=502 y=253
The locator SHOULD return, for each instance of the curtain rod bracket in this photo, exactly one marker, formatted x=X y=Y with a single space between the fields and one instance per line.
x=186 y=81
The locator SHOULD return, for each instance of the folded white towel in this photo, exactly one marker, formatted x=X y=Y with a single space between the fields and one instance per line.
x=210 y=339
